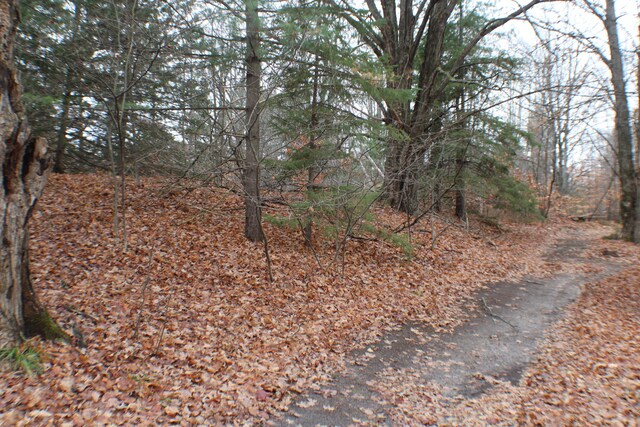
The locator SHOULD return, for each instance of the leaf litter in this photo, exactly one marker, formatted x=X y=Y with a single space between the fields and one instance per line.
x=217 y=343
x=587 y=371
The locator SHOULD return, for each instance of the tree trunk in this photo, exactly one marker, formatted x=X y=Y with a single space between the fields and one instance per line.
x=461 y=150
x=407 y=163
x=24 y=163
x=253 y=214
x=637 y=152
x=409 y=36
x=313 y=170
x=393 y=179
x=461 y=202
x=404 y=166
x=61 y=143
x=627 y=175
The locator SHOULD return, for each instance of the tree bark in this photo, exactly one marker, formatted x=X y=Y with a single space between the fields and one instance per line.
x=627 y=174
x=253 y=215
x=461 y=150
x=25 y=162
x=461 y=200
x=637 y=152
x=313 y=171
x=61 y=145
x=405 y=162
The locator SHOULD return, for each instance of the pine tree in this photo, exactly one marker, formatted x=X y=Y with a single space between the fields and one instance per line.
x=408 y=39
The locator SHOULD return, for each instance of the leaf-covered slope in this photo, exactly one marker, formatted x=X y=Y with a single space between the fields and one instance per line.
x=217 y=343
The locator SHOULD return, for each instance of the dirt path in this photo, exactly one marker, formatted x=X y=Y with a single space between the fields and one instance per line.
x=495 y=344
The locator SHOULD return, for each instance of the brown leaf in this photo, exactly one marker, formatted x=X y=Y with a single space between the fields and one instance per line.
x=262 y=395
x=172 y=411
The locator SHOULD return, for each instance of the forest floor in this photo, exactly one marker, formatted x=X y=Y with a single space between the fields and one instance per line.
x=185 y=327
x=471 y=376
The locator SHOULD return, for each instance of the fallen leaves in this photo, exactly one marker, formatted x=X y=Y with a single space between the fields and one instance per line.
x=209 y=321
x=587 y=372
x=171 y=411
x=591 y=365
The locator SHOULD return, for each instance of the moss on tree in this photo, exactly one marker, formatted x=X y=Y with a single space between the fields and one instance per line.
x=42 y=324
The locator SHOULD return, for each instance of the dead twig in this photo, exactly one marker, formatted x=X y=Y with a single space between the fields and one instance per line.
x=267 y=255
x=144 y=293
x=493 y=315
x=80 y=313
x=166 y=302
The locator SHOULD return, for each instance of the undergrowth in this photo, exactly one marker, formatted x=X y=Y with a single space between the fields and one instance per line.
x=22 y=357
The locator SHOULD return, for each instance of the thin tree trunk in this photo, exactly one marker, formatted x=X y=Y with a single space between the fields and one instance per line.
x=461 y=150
x=114 y=180
x=24 y=162
x=253 y=214
x=313 y=169
x=547 y=207
x=121 y=124
x=61 y=143
x=637 y=152
x=461 y=203
x=627 y=175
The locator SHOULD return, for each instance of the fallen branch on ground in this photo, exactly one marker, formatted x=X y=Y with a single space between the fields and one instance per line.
x=493 y=315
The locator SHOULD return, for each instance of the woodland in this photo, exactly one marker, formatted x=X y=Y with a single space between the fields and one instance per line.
x=210 y=207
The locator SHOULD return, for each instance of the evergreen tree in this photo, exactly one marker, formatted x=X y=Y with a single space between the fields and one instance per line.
x=313 y=115
x=409 y=40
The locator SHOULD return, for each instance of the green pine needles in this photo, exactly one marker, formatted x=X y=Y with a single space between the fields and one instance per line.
x=341 y=211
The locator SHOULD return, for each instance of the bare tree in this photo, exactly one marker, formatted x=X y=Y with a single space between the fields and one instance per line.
x=560 y=111
x=610 y=53
x=624 y=142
